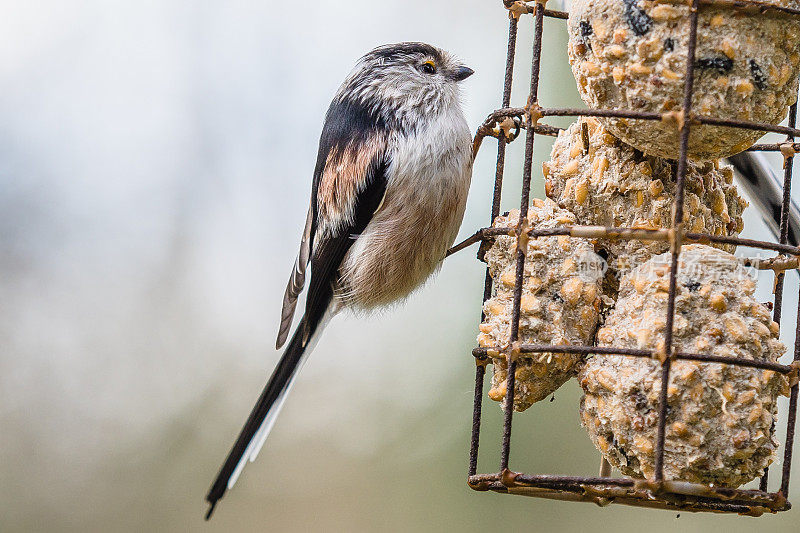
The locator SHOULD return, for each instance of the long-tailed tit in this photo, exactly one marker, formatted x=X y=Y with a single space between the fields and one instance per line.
x=388 y=196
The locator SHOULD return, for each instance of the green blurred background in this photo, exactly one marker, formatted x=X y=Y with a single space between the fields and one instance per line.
x=155 y=164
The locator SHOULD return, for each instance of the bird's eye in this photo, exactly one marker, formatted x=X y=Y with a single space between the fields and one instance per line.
x=428 y=67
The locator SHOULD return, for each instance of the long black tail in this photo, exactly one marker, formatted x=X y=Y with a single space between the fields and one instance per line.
x=766 y=191
x=264 y=412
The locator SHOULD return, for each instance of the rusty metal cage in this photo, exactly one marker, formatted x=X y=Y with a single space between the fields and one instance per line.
x=602 y=489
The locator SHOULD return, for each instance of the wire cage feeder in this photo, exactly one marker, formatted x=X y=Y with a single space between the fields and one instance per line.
x=602 y=489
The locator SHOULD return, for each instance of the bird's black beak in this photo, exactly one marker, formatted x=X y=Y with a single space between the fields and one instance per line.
x=461 y=73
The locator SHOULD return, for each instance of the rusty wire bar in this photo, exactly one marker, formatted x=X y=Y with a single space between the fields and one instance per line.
x=675 y=242
x=607 y=232
x=658 y=493
x=483 y=353
x=791 y=419
x=480 y=370
x=522 y=227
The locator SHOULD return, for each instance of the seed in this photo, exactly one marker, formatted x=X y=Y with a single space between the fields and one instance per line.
x=484 y=340
x=760 y=329
x=508 y=278
x=741 y=438
x=533 y=283
x=620 y=35
x=605 y=380
x=760 y=312
x=785 y=73
x=600 y=30
x=702 y=344
x=774 y=327
x=664 y=12
x=530 y=304
x=717 y=20
x=642 y=338
x=548 y=188
x=718 y=302
x=754 y=415
x=485 y=328
x=603 y=444
x=590 y=292
x=605 y=335
x=602 y=166
x=656 y=187
x=639 y=198
x=575 y=150
x=643 y=444
x=618 y=74
x=609 y=140
x=570 y=168
x=568 y=266
x=728 y=47
x=736 y=328
x=670 y=74
x=640 y=70
x=581 y=192
x=498 y=392
x=494 y=308
x=571 y=290
x=718 y=202
x=650 y=50
x=615 y=51
x=767 y=376
x=727 y=392
x=590 y=69
x=744 y=87
x=747 y=397
x=774 y=72
x=680 y=429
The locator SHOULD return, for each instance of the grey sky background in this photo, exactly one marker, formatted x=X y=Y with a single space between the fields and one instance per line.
x=155 y=166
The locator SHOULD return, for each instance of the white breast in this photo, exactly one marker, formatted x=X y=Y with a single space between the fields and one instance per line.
x=404 y=243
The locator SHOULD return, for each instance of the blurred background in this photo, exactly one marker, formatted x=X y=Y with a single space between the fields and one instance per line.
x=155 y=167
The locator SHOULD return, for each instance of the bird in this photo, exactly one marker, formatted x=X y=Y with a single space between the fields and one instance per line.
x=388 y=196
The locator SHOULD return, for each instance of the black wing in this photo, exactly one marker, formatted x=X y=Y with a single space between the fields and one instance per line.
x=351 y=147
x=362 y=197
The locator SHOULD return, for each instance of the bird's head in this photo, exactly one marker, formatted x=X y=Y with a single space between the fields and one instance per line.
x=406 y=80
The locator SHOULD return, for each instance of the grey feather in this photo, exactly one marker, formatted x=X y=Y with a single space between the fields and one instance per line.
x=296 y=283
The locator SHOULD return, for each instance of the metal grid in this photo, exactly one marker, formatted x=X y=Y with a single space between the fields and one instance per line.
x=602 y=489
